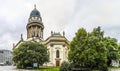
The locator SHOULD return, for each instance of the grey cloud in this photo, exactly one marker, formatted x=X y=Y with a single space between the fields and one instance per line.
x=58 y=15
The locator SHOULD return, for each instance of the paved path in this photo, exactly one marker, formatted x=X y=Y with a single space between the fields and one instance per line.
x=12 y=68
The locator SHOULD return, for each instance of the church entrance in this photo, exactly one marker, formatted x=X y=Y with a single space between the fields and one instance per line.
x=57 y=63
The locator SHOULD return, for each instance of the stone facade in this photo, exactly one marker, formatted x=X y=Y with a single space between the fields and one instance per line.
x=58 y=49
x=57 y=44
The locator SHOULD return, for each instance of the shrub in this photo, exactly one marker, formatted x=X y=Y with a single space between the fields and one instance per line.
x=65 y=66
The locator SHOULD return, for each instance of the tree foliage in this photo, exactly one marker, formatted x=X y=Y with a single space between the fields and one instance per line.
x=112 y=49
x=28 y=53
x=93 y=49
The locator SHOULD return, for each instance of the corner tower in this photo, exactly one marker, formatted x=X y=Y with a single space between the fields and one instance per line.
x=35 y=26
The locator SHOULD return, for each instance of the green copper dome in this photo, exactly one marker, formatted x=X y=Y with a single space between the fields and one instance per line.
x=34 y=13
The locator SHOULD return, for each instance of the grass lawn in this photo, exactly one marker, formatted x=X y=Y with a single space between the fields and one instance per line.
x=114 y=68
x=49 y=69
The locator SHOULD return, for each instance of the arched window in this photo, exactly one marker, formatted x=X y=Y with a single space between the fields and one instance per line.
x=57 y=54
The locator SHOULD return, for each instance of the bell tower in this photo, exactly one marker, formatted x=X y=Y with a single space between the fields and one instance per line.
x=35 y=26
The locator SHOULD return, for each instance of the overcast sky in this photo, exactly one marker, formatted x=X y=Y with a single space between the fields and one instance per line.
x=59 y=16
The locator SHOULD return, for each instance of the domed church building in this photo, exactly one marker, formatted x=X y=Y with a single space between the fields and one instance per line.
x=57 y=44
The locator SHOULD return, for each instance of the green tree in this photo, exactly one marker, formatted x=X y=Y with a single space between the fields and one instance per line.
x=77 y=46
x=88 y=49
x=98 y=48
x=28 y=53
x=112 y=49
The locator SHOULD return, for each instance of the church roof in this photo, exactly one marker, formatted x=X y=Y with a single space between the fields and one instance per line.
x=56 y=37
x=35 y=12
